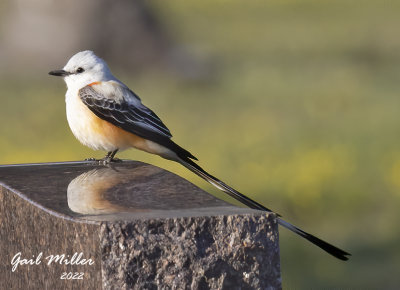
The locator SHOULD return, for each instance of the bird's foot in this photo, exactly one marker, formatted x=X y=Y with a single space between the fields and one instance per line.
x=103 y=161
x=116 y=160
x=107 y=160
x=96 y=161
x=90 y=159
x=110 y=157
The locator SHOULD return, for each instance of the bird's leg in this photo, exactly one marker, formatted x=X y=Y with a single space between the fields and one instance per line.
x=110 y=157
x=107 y=156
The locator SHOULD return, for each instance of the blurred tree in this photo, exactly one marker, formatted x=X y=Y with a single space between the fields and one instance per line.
x=42 y=34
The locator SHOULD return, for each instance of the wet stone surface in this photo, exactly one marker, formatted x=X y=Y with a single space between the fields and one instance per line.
x=143 y=227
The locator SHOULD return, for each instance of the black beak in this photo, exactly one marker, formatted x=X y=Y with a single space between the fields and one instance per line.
x=59 y=73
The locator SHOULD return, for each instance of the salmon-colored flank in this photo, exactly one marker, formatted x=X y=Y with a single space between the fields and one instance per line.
x=116 y=135
x=106 y=132
x=119 y=137
x=94 y=83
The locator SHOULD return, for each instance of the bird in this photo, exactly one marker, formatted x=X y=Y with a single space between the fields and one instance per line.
x=104 y=114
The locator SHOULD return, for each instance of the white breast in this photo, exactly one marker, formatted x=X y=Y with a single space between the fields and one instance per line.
x=81 y=121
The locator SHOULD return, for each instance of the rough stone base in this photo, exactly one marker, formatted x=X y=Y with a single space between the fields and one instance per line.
x=143 y=227
x=221 y=252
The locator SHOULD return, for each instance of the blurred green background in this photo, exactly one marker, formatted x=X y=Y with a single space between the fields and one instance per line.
x=296 y=104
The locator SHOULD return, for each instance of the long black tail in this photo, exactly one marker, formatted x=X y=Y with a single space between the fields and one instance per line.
x=334 y=251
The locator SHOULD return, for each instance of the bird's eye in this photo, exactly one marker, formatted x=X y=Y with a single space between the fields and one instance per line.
x=80 y=70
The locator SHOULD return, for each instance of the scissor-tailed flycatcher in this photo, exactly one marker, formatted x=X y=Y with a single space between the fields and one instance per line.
x=104 y=114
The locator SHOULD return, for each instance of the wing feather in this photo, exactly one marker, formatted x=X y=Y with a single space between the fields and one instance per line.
x=133 y=117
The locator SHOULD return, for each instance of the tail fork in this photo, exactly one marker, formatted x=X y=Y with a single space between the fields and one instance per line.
x=334 y=251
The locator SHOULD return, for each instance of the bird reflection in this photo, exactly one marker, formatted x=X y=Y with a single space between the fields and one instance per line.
x=87 y=193
x=133 y=188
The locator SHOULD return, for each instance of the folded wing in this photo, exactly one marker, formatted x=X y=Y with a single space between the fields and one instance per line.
x=127 y=112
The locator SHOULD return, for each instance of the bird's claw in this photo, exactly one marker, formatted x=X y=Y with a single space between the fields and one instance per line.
x=104 y=161
x=116 y=160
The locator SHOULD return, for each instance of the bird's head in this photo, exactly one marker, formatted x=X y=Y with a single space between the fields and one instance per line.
x=84 y=68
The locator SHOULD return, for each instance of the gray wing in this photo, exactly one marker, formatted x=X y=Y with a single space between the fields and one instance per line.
x=133 y=117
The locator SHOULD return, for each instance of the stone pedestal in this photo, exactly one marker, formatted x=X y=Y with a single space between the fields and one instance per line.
x=127 y=226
